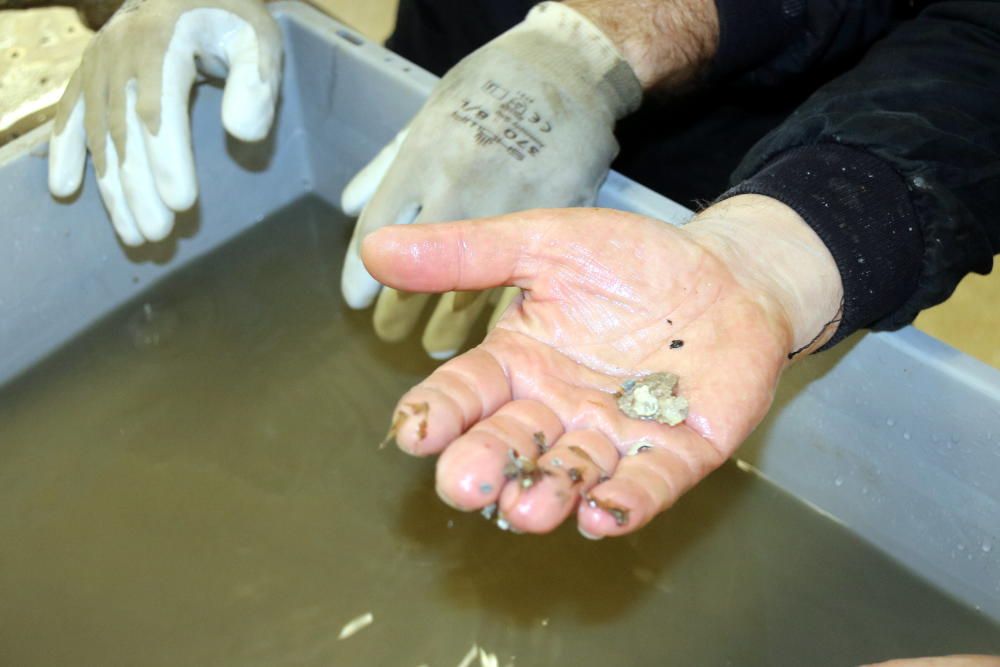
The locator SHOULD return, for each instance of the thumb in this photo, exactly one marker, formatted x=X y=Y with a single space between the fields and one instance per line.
x=464 y=255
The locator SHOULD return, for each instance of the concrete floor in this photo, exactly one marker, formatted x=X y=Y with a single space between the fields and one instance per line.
x=970 y=320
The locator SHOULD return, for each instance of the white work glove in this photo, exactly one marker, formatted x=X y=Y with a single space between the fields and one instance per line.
x=128 y=104
x=526 y=121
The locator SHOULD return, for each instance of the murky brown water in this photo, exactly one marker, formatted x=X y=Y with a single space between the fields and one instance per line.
x=196 y=482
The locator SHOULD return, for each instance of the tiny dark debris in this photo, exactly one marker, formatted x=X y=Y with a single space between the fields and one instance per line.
x=619 y=514
x=522 y=469
x=539 y=440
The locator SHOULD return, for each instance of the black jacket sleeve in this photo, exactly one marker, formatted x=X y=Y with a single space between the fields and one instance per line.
x=896 y=164
x=769 y=42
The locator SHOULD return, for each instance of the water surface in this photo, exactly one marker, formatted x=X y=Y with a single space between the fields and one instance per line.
x=196 y=481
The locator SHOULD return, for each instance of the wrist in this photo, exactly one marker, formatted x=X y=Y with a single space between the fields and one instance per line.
x=576 y=55
x=862 y=209
x=769 y=247
x=667 y=43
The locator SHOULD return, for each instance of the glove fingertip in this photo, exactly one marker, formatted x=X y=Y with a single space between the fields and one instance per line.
x=158 y=230
x=361 y=188
x=248 y=104
x=357 y=286
x=441 y=355
x=67 y=156
x=354 y=197
x=62 y=182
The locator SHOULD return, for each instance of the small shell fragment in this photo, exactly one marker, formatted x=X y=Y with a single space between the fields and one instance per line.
x=619 y=514
x=652 y=398
x=469 y=656
x=540 y=442
x=488 y=659
x=639 y=447
x=522 y=469
x=356 y=625
x=397 y=423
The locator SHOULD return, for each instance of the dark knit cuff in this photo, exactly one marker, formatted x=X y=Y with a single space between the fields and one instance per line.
x=861 y=209
x=751 y=33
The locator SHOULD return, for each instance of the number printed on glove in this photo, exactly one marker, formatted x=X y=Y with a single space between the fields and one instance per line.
x=527 y=121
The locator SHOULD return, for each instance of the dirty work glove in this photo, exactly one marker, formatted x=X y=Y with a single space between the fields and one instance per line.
x=526 y=121
x=128 y=104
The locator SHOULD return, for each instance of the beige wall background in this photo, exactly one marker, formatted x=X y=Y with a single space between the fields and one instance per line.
x=372 y=18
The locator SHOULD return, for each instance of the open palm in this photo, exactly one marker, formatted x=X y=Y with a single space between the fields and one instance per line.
x=529 y=419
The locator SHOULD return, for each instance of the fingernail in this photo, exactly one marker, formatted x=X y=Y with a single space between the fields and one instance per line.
x=594 y=538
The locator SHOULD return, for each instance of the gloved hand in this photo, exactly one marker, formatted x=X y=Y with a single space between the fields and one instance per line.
x=128 y=104
x=526 y=121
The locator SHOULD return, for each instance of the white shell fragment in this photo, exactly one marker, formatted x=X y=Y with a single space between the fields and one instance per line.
x=639 y=447
x=486 y=659
x=356 y=625
x=469 y=656
x=652 y=398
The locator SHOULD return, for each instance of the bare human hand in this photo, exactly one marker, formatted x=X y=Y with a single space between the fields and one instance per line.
x=529 y=419
x=947 y=661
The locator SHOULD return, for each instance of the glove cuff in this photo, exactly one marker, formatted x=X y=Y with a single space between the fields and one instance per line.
x=567 y=43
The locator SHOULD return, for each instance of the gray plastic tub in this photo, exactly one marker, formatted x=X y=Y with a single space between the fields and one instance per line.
x=895 y=436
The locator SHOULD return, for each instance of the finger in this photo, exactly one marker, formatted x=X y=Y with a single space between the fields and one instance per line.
x=577 y=462
x=944 y=661
x=466 y=255
x=446 y=404
x=397 y=313
x=252 y=85
x=97 y=114
x=649 y=478
x=398 y=200
x=116 y=111
x=506 y=297
x=68 y=145
x=110 y=185
x=94 y=83
x=153 y=218
x=499 y=449
x=162 y=106
x=455 y=315
x=358 y=287
x=362 y=187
